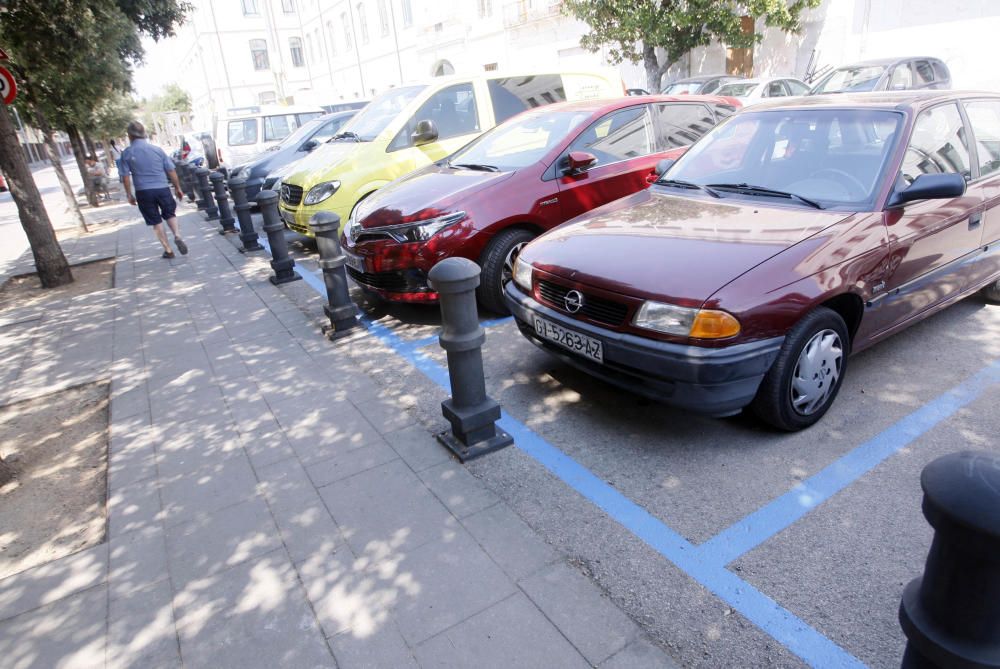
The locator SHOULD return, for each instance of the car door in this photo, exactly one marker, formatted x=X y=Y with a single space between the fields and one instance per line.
x=455 y=111
x=984 y=117
x=930 y=240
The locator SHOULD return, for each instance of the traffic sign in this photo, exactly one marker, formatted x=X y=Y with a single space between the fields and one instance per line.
x=8 y=87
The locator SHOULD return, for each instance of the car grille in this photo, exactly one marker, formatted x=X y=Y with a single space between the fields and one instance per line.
x=595 y=308
x=291 y=194
x=393 y=282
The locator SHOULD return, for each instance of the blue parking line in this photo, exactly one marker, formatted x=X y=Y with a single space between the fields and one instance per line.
x=765 y=522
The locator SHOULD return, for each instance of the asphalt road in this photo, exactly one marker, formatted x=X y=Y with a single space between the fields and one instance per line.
x=840 y=564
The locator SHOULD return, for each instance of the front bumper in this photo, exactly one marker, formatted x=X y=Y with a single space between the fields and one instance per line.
x=297 y=218
x=714 y=381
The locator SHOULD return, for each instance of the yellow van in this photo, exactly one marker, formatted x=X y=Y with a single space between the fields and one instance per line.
x=408 y=127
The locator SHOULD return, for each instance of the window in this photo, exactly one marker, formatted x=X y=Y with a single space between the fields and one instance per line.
x=242 y=132
x=938 y=144
x=621 y=135
x=374 y=118
x=278 y=127
x=513 y=95
x=521 y=142
x=923 y=73
x=775 y=89
x=796 y=87
x=407 y=13
x=677 y=124
x=348 y=42
x=383 y=18
x=452 y=109
x=267 y=98
x=985 y=119
x=329 y=130
x=330 y=36
x=288 y=6
x=490 y=67
x=295 y=46
x=901 y=78
x=249 y=7
x=485 y=8
x=258 y=49
x=362 y=23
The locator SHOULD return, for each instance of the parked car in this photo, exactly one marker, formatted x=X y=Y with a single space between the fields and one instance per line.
x=636 y=91
x=752 y=91
x=246 y=131
x=412 y=126
x=353 y=105
x=262 y=170
x=521 y=178
x=886 y=74
x=789 y=237
x=703 y=85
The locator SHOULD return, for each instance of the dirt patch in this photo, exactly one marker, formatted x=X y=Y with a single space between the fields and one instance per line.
x=25 y=290
x=58 y=448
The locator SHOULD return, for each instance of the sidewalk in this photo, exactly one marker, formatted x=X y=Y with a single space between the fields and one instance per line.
x=269 y=503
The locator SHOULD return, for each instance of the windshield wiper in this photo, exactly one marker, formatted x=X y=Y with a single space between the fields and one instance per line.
x=347 y=135
x=678 y=183
x=474 y=166
x=767 y=192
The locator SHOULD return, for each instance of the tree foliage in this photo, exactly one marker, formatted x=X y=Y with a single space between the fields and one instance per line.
x=111 y=116
x=633 y=29
x=172 y=98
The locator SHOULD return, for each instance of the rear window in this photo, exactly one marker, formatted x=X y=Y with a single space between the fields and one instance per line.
x=512 y=95
x=242 y=132
x=277 y=128
x=737 y=90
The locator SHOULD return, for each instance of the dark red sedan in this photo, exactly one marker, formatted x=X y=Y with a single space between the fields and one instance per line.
x=789 y=237
x=516 y=181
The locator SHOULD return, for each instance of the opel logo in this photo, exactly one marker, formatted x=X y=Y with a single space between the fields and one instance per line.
x=573 y=301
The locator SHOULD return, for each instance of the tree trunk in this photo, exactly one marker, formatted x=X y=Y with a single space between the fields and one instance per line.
x=67 y=189
x=6 y=472
x=51 y=264
x=91 y=147
x=80 y=153
x=108 y=159
x=654 y=71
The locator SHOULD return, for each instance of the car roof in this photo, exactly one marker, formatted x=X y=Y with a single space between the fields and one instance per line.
x=702 y=77
x=885 y=61
x=610 y=104
x=896 y=100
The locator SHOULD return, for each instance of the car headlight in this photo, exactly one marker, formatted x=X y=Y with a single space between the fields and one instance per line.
x=522 y=275
x=321 y=191
x=685 y=321
x=420 y=231
x=276 y=186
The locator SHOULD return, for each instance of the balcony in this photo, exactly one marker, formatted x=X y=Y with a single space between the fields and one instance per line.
x=520 y=12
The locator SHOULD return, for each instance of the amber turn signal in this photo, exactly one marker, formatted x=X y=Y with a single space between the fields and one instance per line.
x=711 y=324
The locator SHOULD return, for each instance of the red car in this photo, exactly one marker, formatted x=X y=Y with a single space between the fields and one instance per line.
x=514 y=182
x=789 y=237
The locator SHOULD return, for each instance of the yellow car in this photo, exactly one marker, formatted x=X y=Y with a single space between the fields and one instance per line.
x=409 y=127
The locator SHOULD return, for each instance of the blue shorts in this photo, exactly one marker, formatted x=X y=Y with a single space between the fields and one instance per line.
x=156 y=204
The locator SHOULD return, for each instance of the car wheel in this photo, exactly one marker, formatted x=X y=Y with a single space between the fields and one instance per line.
x=211 y=154
x=497 y=262
x=992 y=292
x=807 y=374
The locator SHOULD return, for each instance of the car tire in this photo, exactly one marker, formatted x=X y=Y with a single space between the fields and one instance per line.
x=211 y=154
x=992 y=292
x=814 y=352
x=497 y=263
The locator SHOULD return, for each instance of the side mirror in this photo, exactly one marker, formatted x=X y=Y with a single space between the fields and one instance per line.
x=310 y=145
x=929 y=187
x=425 y=133
x=663 y=165
x=578 y=161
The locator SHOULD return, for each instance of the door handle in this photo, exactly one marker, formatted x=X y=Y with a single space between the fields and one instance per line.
x=975 y=221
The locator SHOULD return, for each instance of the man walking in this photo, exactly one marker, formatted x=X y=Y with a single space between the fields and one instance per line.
x=148 y=168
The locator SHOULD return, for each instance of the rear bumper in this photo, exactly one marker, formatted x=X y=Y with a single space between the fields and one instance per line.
x=714 y=381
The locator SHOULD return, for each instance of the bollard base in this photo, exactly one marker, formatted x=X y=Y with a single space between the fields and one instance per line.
x=250 y=248
x=465 y=453
x=333 y=334
x=224 y=232
x=286 y=278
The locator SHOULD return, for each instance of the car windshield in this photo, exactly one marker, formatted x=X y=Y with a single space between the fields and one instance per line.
x=299 y=135
x=380 y=112
x=853 y=79
x=737 y=90
x=683 y=88
x=520 y=142
x=834 y=157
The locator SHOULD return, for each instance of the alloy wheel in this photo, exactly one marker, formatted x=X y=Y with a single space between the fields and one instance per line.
x=507 y=274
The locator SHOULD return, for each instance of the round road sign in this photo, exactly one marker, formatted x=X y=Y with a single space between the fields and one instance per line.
x=8 y=87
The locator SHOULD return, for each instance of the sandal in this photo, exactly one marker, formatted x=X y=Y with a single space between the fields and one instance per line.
x=168 y=255
x=181 y=246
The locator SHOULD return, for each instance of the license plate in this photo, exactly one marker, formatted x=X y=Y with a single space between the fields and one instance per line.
x=586 y=346
x=355 y=262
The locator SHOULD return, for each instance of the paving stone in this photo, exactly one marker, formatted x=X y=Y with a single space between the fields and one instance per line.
x=387 y=505
x=286 y=484
x=382 y=646
x=581 y=611
x=171 y=387
x=227 y=481
x=132 y=458
x=509 y=541
x=137 y=560
x=347 y=464
x=219 y=541
x=141 y=630
x=134 y=507
x=53 y=581
x=187 y=447
x=418 y=447
x=513 y=633
x=130 y=402
x=317 y=430
x=69 y=634
x=204 y=402
x=253 y=615
x=386 y=414
x=306 y=530
x=457 y=489
x=640 y=654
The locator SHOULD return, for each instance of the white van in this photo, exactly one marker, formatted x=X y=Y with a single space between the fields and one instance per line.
x=246 y=131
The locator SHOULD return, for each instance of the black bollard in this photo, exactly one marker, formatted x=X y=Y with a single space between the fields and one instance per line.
x=340 y=308
x=188 y=181
x=225 y=215
x=211 y=211
x=951 y=615
x=471 y=413
x=181 y=168
x=281 y=263
x=196 y=187
x=238 y=189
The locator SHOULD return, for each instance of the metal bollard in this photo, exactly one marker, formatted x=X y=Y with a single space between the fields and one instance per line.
x=225 y=215
x=196 y=187
x=188 y=181
x=340 y=309
x=181 y=168
x=238 y=189
x=281 y=263
x=206 y=194
x=951 y=615
x=471 y=413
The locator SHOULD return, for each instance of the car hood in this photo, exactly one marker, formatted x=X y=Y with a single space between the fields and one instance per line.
x=325 y=161
x=264 y=163
x=426 y=193
x=675 y=249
